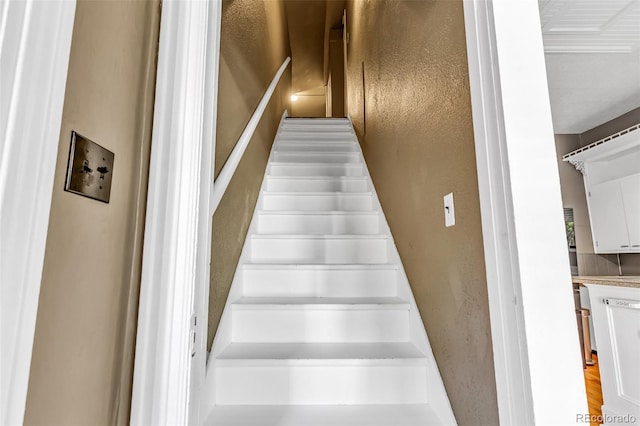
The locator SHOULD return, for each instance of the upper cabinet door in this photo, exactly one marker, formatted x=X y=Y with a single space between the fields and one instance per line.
x=608 y=221
x=630 y=187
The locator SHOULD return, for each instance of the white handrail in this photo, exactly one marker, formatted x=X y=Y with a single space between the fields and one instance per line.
x=220 y=185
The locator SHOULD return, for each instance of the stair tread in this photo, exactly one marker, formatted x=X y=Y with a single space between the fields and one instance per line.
x=316 y=119
x=294 y=164
x=320 y=194
x=319 y=212
x=317 y=153
x=317 y=177
x=355 y=303
x=289 y=147
x=325 y=351
x=350 y=141
x=323 y=266
x=323 y=415
x=331 y=178
x=319 y=237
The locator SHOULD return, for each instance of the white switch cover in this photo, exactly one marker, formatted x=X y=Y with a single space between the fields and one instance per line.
x=449 y=213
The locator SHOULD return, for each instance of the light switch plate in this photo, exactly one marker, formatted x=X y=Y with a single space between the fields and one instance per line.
x=449 y=211
x=89 y=169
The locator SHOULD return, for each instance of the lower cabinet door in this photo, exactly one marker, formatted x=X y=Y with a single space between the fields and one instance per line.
x=616 y=321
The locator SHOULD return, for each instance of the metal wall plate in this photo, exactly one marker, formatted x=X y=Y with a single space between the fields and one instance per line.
x=89 y=170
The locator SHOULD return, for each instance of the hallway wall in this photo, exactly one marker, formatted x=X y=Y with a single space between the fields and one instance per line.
x=254 y=43
x=408 y=96
x=81 y=369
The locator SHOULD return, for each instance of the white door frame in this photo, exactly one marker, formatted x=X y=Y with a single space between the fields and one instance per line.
x=35 y=42
x=170 y=350
x=537 y=358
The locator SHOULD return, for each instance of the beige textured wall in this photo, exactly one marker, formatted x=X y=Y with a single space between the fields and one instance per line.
x=418 y=144
x=616 y=125
x=254 y=43
x=81 y=370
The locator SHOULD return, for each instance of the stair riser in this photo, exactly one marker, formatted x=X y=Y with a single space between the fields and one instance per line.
x=316 y=170
x=315 y=121
x=316 y=185
x=300 y=385
x=265 y=325
x=338 y=251
x=317 y=128
x=317 y=202
x=329 y=157
x=365 y=224
x=315 y=136
x=316 y=147
x=319 y=283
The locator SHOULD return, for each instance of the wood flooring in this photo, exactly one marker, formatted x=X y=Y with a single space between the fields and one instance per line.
x=594 y=390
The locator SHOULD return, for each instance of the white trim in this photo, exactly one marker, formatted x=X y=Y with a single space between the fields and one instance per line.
x=222 y=336
x=500 y=249
x=536 y=351
x=629 y=131
x=203 y=270
x=35 y=42
x=175 y=243
x=229 y=168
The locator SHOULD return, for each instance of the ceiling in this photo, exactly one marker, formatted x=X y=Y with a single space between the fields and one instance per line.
x=592 y=51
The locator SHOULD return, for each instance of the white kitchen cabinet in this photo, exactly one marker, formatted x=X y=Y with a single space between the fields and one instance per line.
x=630 y=187
x=608 y=222
x=616 y=321
x=614 y=208
x=611 y=171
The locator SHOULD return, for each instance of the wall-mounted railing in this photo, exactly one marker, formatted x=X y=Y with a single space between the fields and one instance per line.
x=224 y=178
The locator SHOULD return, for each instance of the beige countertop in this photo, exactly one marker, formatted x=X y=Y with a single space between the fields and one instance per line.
x=618 y=281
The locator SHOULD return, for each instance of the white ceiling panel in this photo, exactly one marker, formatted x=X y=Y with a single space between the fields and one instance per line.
x=592 y=52
x=600 y=26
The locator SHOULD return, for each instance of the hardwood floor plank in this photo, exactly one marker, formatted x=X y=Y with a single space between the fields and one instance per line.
x=594 y=390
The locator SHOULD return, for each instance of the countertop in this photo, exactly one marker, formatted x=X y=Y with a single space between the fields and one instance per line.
x=632 y=281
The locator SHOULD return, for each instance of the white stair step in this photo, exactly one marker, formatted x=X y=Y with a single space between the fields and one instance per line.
x=316 y=353
x=320 y=131
x=317 y=320
x=321 y=373
x=317 y=157
x=317 y=201
x=303 y=135
x=318 y=223
x=328 y=384
x=317 y=127
x=324 y=415
x=317 y=184
x=287 y=146
x=327 y=249
x=260 y=280
x=314 y=121
x=315 y=169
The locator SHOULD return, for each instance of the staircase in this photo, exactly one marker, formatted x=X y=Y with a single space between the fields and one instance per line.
x=320 y=327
